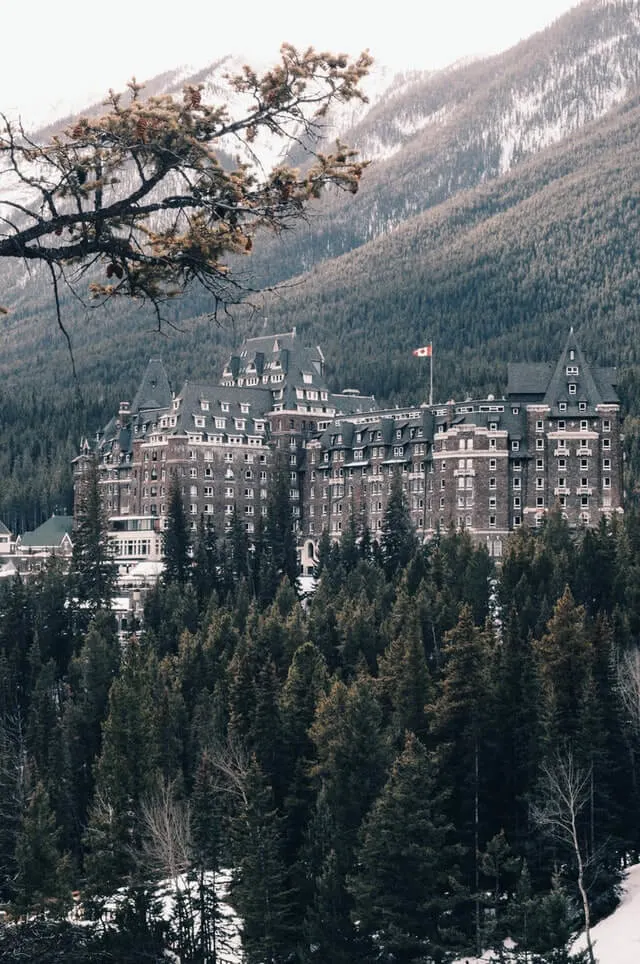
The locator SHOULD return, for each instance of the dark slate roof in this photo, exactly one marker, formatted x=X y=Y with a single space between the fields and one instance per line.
x=154 y=391
x=193 y=393
x=350 y=404
x=549 y=383
x=49 y=534
x=525 y=379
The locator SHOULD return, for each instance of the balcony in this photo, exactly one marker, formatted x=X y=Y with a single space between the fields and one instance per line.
x=584 y=451
x=584 y=490
x=457 y=472
x=562 y=490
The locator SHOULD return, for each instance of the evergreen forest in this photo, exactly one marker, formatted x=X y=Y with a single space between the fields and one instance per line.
x=423 y=758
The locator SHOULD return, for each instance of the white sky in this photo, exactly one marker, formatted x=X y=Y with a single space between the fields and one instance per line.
x=55 y=57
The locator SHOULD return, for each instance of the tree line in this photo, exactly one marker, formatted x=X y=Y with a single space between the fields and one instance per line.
x=374 y=773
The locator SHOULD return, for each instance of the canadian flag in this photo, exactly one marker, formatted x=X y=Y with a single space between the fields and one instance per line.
x=425 y=352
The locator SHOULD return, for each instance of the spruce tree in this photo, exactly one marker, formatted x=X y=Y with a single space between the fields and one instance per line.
x=259 y=888
x=398 y=535
x=176 y=542
x=93 y=571
x=405 y=864
x=42 y=872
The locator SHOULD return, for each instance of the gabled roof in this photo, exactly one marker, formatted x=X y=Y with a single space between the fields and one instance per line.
x=154 y=391
x=50 y=535
x=3 y=530
x=549 y=385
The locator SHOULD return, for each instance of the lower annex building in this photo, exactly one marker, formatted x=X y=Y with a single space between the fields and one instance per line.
x=487 y=465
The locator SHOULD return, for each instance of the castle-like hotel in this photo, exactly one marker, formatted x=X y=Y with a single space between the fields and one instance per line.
x=487 y=465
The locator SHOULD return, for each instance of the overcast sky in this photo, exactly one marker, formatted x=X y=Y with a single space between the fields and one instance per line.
x=60 y=56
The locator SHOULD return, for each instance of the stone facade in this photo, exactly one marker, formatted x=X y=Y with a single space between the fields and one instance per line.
x=488 y=465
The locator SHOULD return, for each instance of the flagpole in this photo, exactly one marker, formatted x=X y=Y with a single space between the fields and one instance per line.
x=431 y=376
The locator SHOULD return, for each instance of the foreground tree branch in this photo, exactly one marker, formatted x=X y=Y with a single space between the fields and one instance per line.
x=141 y=194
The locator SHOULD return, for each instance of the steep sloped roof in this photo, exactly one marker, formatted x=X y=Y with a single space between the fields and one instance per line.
x=50 y=534
x=154 y=391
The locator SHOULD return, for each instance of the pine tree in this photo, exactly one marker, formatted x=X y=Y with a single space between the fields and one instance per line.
x=176 y=542
x=93 y=571
x=259 y=889
x=405 y=864
x=398 y=535
x=42 y=877
x=279 y=532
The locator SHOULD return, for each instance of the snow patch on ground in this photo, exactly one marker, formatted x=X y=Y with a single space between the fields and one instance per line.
x=616 y=939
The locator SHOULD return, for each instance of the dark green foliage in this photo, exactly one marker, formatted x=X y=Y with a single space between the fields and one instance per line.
x=404 y=879
x=398 y=536
x=176 y=541
x=42 y=872
x=93 y=571
x=259 y=888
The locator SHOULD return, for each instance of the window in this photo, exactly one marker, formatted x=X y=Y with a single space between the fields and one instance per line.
x=540 y=465
x=492 y=483
x=572 y=370
x=539 y=444
x=606 y=482
x=584 y=425
x=582 y=406
x=492 y=521
x=606 y=443
x=573 y=388
x=517 y=465
x=492 y=443
x=584 y=501
x=516 y=502
x=492 y=502
x=562 y=482
x=516 y=521
x=517 y=483
x=562 y=425
x=539 y=425
x=540 y=501
x=493 y=426
x=562 y=465
x=493 y=463
x=606 y=425
x=539 y=483
x=515 y=445
x=606 y=465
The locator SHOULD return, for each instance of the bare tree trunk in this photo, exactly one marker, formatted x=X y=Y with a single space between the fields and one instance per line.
x=565 y=792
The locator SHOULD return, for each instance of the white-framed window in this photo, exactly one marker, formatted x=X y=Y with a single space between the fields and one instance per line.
x=582 y=406
x=539 y=483
x=492 y=483
x=492 y=522
x=539 y=465
x=493 y=463
x=584 y=425
x=539 y=444
x=515 y=445
x=562 y=406
x=517 y=483
x=540 y=501
x=193 y=508
x=606 y=443
x=517 y=521
x=539 y=425
x=606 y=465
x=572 y=370
x=606 y=482
x=606 y=425
x=516 y=502
x=492 y=502
x=493 y=443
x=573 y=388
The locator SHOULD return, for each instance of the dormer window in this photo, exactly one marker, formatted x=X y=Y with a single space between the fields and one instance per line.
x=573 y=388
x=204 y=405
x=307 y=378
x=199 y=420
x=562 y=406
x=224 y=406
x=244 y=408
x=582 y=406
x=572 y=370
